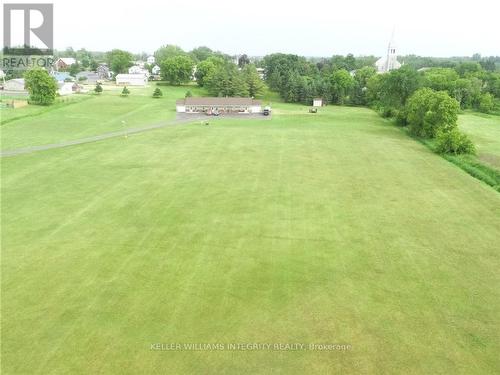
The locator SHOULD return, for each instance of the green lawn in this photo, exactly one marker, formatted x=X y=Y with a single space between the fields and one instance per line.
x=96 y=115
x=484 y=131
x=327 y=228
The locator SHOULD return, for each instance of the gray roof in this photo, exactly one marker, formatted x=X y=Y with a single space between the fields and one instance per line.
x=214 y=101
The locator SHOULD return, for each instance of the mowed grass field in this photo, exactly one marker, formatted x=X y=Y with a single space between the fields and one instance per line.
x=88 y=115
x=484 y=131
x=327 y=228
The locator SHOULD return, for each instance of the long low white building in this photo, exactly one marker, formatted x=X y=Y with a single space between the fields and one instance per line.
x=131 y=80
x=220 y=105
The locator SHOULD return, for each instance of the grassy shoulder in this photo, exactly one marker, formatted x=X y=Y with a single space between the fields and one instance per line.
x=470 y=164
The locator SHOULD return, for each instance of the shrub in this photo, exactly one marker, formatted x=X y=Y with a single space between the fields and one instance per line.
x=98 y=88
x=41 y=87
x=82 y=78
x=125 y=91
x=189 y=94
x=454 y=142
x=157 y=93
x=486 y=103
x=401 y=117
x=431 y=112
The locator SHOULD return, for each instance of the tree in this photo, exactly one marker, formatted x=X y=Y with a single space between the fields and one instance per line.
x=74 y=69
x=454 y=142
x=486 y=103
x=226 y=81
x=243 y=60
x=98 y=88
x=119 y=61
x=468 y=68
x=206 y=67
x=41 y=86
x=125 y=91
x=168 y=51
x=201 y=53
x=341 y=83
x=157 y=93
x=177 y=70
x=359 y=90
x=441 y=79
x=430 y=112
x=398 y=85
x=255 y=85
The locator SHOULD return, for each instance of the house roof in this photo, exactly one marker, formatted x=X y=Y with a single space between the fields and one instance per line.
x=218 y=101
x=68 y=60
x=60 y=76
x=86 y=74
x=17 y=80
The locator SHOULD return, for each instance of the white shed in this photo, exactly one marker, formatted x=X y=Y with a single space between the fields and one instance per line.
x=131 y=80
x=65 y=88
x=317 y=102
x=16 y=84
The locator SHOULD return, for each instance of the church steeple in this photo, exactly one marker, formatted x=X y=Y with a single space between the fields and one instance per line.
x=390 y=62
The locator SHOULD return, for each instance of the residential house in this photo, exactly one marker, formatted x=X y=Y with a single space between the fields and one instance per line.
x=136 y=69
x=151 y=60
x=87 y=77
x=155 y=70
x=103 y=72
x=64 y=63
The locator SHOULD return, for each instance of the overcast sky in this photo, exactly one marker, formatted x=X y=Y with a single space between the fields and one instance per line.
x=259 y=27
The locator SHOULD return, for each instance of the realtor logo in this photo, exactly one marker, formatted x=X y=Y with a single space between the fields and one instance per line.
x=28 y=27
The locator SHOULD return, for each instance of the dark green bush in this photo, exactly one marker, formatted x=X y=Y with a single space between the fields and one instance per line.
x=157 y=93
x=454 y=142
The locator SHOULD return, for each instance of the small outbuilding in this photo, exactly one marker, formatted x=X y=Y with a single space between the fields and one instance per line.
x=318 y=102
x=16 y=84
x=218 y=105
x=65 y=88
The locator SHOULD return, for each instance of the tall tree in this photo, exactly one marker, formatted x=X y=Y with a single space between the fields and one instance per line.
x=118 y=60
x=177 y=70
x=165 y=52
x=201 y=53
x=430 y=112
x=243 y=60
x=255 y=85
x=341 y=82
x=41 y=86
x=206 y=67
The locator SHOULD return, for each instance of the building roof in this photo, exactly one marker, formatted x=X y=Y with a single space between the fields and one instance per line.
x=86 y=74
x=68 y=60
x=218 y=101
x=60 y=76
x=17 y=80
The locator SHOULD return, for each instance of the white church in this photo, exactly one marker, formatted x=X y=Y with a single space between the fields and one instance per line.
x=390 y=62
